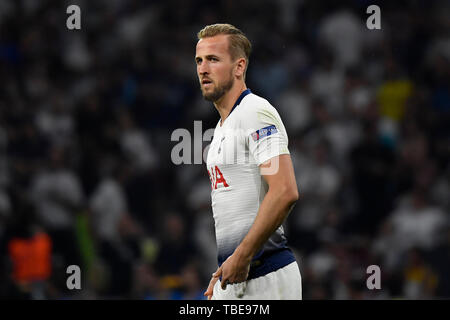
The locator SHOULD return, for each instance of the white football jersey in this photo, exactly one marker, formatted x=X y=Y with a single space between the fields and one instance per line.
x=251 y=134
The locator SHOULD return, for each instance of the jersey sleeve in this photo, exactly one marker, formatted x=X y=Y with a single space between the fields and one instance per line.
x=265 y=133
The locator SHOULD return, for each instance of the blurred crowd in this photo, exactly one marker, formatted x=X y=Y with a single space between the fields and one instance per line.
x=86 y=118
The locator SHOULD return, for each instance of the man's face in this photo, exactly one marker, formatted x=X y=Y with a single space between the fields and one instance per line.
x=214 y=67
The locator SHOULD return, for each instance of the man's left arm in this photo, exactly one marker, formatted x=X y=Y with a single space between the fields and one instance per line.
x=276 y=205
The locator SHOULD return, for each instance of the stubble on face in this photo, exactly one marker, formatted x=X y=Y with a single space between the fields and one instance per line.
x=219 y=91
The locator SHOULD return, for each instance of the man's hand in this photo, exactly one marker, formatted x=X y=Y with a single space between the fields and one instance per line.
x=234 y=270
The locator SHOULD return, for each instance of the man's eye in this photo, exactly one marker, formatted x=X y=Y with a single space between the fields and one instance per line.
x=214 y=59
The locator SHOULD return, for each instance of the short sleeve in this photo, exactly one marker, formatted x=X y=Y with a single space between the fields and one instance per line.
x=265 y=133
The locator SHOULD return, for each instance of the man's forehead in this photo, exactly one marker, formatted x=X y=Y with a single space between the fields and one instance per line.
x=217 y=43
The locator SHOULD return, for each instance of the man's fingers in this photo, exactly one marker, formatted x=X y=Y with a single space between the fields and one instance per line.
x=209 y=291
x=224 y=283
x=218 y=273
x=215 y=276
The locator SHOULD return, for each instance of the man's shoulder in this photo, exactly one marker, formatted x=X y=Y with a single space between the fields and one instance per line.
x=256 y=111
x=255 y=101
x=253 y=104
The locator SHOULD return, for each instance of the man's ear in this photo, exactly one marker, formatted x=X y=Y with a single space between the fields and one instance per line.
x=241 y=64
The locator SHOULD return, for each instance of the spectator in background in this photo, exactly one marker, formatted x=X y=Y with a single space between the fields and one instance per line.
x=420 y=280
x=341 y=31
x=372 y=174
x=28 y=249
x=116 y=231
x=135 y=145
x=57 y=195
x=55 y=122
x=415 y=223
x=319 y=182
x=142 y=160
x=327 y=83
x=295 y=106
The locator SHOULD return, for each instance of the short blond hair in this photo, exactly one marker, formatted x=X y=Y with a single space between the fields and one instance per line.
x=239 y=45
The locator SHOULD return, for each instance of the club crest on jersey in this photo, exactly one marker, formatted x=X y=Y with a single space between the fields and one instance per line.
x=264 y=132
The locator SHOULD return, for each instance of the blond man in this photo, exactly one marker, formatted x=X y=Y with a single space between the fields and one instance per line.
x=252 y=177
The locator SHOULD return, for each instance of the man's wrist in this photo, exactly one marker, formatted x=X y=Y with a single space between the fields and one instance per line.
x=244 y=253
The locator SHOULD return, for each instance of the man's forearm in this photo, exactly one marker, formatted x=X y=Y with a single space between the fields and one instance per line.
x=274 y=209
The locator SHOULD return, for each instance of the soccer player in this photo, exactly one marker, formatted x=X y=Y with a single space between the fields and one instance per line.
x=252 y=177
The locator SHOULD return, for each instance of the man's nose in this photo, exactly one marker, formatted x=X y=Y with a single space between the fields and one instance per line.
x=203 y=68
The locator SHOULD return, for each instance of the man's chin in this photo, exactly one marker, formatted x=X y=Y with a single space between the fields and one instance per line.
x=216 y=93
x=211 y=96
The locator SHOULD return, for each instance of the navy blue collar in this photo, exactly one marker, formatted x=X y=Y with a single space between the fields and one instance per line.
x=238 y=101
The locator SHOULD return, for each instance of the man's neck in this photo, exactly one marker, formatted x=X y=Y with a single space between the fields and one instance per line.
x=226 y=103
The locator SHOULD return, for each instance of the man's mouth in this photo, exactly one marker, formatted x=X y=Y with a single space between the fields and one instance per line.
x=206 y=82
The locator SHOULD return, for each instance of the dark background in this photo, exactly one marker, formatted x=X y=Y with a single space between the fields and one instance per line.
x=86 y=118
